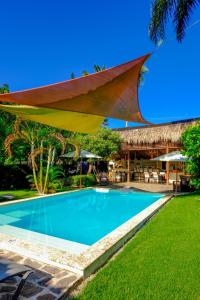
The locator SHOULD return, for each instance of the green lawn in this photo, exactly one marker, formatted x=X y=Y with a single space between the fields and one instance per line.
x=20 y=194
x=161 y=262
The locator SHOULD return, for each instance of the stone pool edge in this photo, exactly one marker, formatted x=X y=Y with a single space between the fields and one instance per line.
x=98 y=254
x=95 y=256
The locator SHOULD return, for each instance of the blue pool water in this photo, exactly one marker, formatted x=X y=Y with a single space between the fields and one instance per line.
x=83 y=216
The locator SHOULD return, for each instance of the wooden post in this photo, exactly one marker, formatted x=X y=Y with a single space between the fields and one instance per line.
x=167 y=165
x=81 y=173
x=157 y=162
x=129 y=168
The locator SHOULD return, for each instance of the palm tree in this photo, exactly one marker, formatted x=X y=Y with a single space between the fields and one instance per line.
x=96 y=69
x=44 y=143
x=4 y=88
x=179 y=11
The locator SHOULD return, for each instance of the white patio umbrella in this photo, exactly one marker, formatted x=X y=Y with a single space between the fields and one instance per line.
x=82 y=154
x=174 y=156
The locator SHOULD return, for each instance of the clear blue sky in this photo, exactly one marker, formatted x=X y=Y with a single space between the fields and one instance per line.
x=43 y=41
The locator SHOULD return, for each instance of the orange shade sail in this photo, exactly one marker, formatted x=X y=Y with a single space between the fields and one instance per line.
x=109 y=93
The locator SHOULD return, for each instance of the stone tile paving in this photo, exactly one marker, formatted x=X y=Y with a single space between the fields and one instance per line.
x=148 y=187
x=46 y=283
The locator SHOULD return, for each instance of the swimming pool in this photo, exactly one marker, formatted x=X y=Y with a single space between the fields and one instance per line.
x=82 y=217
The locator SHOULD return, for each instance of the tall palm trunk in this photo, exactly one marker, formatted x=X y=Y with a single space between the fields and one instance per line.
x=34 y=169
x=41 y=165
x=48 y=168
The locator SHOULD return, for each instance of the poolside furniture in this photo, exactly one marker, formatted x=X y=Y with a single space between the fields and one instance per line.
x=162 y=177
x=185 y=183
x=146 y=176
x=155 y=177
x=151 y=179
x=103 y=179
x=9 y=269
x=7 y=197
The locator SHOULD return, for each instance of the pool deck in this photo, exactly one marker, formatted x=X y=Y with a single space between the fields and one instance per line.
x=46 y=283
x=147 y=187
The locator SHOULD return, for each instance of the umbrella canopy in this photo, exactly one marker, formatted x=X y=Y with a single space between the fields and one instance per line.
x=109 y=93
x=174 y=156
x=83 y=154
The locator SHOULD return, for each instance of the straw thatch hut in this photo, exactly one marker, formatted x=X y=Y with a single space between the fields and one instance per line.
x=140 y=144
x=153 y=136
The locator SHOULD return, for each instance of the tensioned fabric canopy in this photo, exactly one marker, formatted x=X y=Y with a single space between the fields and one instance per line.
x=61 y=119
x=109 y=93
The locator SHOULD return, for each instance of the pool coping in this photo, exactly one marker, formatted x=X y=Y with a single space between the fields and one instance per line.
x=91 y=259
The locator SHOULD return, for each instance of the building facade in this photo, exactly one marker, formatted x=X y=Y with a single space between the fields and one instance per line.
x=141 y=144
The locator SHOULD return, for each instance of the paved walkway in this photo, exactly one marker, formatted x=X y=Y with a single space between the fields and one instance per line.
x=148 y=187
x=46 y=283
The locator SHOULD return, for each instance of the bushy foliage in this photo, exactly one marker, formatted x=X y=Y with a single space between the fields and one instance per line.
x=55 y=179
x=13 y=177
x=191 y=148
x=105 y=143
x=86 y=180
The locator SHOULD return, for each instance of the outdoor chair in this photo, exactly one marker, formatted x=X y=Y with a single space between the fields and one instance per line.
x=7 y=197
x=146 y=176
x=103 y=179
x=10 y=269
x=162 y=177
x=155 y=177
x=185 y=184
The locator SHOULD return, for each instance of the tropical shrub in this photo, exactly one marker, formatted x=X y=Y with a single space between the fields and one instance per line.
x=43 y=145
x=191 y=148
x=86 y=180
x=55 y=179
x=14 y=177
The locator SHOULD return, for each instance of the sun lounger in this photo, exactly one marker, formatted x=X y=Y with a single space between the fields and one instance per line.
x=9 y=269
x=7 y=197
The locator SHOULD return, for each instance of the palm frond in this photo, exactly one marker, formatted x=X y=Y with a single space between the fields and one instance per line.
x=143 y=71
x=4 y=88
x=32 y=156
x=161 y=11
x=62 y=140
x=8 y=142
x=72 y=75
x=75 y=143
x=16 y=126
x=85 y=73
x=182 y=16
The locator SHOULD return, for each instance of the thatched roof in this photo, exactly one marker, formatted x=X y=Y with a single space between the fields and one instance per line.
x=153 y=134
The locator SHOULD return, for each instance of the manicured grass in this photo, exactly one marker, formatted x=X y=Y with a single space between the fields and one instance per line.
x=20 y=194
x=161 y=262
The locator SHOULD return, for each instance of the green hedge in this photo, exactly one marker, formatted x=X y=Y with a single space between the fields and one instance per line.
x=87 y=180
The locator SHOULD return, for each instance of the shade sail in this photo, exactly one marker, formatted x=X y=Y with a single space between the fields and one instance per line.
x=83 y=154
x=67 y=120
x=109 y=93
x=174 y=156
